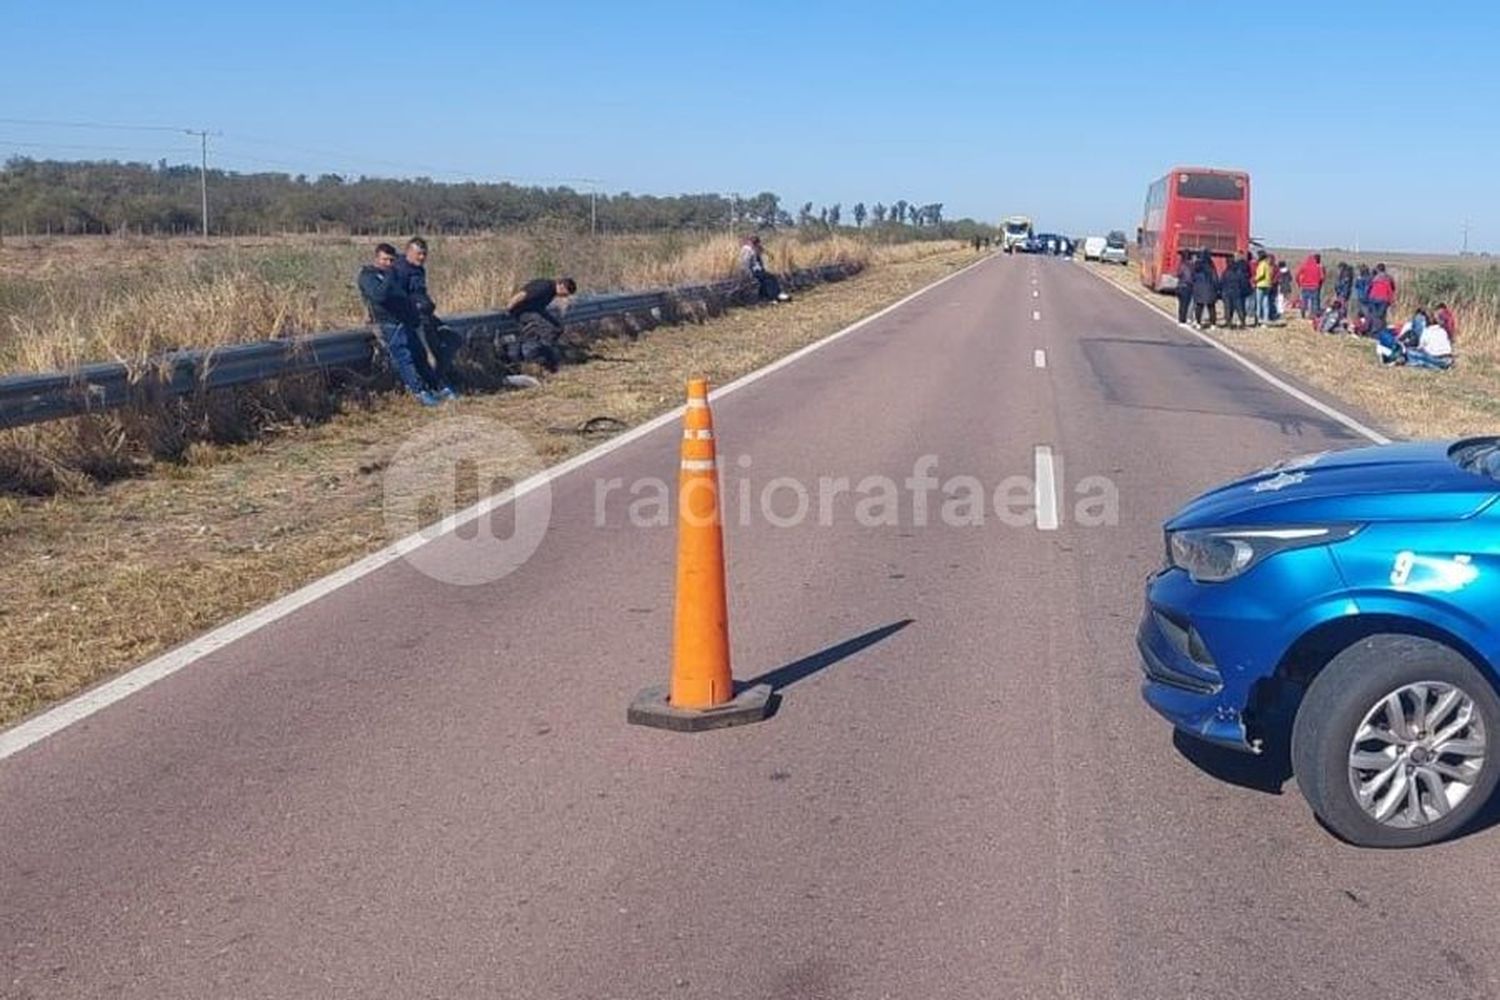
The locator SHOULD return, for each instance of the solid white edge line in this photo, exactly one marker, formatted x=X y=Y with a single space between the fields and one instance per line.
x=1039 y=358
x=1291 y=390
x=53 y=720
x=1046 y=490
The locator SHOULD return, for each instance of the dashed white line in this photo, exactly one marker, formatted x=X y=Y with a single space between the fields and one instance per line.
x=1036 y=314
x=1035 y=294
x=1046 y=490
x=1040 y=358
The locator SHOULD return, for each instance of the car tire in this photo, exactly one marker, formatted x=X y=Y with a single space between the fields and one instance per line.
x=1351 y=690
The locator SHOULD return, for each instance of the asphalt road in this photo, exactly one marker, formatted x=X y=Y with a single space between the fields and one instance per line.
x=412 y=789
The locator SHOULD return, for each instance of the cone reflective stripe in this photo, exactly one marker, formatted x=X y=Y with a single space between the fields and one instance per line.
x=701 y=676
x=701 y=693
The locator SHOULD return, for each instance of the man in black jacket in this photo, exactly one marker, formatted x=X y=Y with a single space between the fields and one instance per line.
x=411 y=268
x=539 y=328
x=391 y=311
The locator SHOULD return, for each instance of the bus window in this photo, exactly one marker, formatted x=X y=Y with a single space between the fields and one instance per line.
x=1210 y=187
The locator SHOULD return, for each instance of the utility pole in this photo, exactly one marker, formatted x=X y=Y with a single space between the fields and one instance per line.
x=1466 y=237
x=593 y=209
x=202 y=135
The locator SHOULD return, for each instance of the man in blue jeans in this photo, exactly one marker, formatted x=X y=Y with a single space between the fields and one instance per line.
x=391 y=311
x=411 y=270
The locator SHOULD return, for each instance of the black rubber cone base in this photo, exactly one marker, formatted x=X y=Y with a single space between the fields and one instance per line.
x=651 y=708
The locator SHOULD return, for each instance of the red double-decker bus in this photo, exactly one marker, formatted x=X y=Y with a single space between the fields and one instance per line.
x=1192 y=208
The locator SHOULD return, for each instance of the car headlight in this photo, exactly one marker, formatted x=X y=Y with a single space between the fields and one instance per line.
x=1213 y=555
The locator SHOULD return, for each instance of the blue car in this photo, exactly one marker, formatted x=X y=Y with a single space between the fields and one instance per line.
x=1343 y=610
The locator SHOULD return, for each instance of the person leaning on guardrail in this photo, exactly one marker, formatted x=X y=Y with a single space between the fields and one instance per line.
x=539 y=328
x=441 y=341
x=391 y=311
x=767 y=286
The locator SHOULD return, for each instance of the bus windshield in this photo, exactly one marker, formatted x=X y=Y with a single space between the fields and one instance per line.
x=1016 y=228
x=1210 y=187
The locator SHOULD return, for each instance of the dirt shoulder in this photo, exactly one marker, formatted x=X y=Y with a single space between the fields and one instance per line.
x=96 y=583
x=1409 y=402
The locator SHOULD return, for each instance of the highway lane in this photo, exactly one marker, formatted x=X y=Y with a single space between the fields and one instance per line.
x=415 y=789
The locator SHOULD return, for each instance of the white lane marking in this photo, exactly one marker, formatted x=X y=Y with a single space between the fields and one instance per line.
x=1040 y=358
x=39 y=727
x=1035 y=314
x=1035 y=294
x=1255 y=369
x=1046 y=490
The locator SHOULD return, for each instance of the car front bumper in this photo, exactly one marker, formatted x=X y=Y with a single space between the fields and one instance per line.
x=1205 y=648
x=1179 y=690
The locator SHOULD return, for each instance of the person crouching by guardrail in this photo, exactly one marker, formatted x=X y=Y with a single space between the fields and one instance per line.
x=539 y=328
x=753 y=263
x=391 y=311
x=432 y=335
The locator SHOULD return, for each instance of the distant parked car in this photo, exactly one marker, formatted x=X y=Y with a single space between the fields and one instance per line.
x=1093 y=248
x=1115 y=250
x=1051 y=243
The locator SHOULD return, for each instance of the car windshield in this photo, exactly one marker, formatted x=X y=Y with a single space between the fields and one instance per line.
x=1015 y=228
x=1481 y=455
x=1115 y=239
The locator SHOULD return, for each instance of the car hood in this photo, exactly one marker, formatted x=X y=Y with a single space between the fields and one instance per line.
x=1396 y=482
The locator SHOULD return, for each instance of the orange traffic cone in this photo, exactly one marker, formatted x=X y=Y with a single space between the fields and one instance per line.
x=701 y=694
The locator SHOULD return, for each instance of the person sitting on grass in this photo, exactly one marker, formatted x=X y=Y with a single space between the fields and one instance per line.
x=393 y=316
x=1411 y=330
x=1434 y=349
x=539 y=328
x=1334 y=319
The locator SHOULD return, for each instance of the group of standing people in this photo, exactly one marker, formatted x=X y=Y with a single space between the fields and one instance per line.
x=421 y=347
x=1253 y=290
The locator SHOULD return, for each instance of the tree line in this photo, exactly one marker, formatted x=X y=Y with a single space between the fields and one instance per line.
x=106 y=196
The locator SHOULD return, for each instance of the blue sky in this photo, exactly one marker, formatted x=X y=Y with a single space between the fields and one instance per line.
x=1375 y=121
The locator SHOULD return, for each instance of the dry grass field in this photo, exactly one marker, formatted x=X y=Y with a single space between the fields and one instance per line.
x=106 y=576
x=68 y=301
x=65 y=301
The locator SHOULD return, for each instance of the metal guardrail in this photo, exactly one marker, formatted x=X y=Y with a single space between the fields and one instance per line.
x=32 y=399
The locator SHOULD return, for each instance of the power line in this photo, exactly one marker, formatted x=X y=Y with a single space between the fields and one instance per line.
x=52 y=123
x=81 y=146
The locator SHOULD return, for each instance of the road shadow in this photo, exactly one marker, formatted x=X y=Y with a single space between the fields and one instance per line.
x=785 y=676
x=1267 y=772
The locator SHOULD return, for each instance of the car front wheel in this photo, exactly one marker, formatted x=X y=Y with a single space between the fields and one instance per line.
x=1394 y=743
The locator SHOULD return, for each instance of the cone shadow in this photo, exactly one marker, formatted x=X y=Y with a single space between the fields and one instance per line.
x=790 y=674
